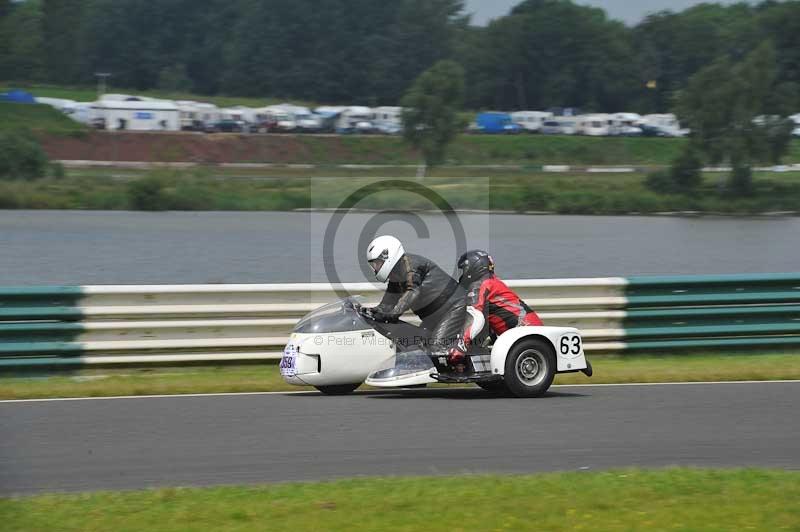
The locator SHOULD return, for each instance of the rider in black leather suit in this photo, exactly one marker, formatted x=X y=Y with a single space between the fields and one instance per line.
x=418 y=284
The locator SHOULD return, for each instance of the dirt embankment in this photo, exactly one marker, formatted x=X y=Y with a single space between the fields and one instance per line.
x=224 y=148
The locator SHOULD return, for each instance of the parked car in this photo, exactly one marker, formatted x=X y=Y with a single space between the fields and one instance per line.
x=564 y=125
x=226 y=125
x=496 y=123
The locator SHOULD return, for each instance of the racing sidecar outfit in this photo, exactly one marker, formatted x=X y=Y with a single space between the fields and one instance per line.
x=418 y=284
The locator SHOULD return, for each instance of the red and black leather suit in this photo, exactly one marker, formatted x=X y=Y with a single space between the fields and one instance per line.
x=501 y=306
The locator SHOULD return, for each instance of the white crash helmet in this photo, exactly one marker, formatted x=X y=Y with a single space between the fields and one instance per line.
x=383 y=254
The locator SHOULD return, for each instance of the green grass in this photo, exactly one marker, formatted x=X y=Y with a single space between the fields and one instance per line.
x=261 y=378
x=205 y=189
x=628 y=499
x=15 y=117
x=559 y=149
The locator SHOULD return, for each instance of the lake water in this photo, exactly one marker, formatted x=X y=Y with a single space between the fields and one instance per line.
x=91 y=247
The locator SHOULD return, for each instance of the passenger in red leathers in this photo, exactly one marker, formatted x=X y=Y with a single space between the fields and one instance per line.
x=501 y=307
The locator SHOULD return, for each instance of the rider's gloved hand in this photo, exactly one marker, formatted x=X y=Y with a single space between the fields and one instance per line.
x=367 y=312
x=376 y=314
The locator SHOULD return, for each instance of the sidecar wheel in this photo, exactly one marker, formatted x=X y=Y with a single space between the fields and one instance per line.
x=530 y=368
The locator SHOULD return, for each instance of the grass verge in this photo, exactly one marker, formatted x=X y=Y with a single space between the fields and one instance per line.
x=205 y=189
x=261 y=378
x=16 y=117
x=629 y=499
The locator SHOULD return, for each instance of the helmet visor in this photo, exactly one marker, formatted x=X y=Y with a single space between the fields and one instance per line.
x=376 y=265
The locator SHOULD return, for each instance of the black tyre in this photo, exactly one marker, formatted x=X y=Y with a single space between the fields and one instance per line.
x=338 y=389
x=498 y=387
x=530 y=368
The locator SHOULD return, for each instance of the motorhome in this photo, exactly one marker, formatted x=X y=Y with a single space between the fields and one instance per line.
x=626 y=124
x=388 y=120
x=662 y=125
x=531 y=121
x=355 y=119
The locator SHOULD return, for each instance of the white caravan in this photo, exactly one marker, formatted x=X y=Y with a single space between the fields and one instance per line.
x=596 y=125
x=531 y=121
x=388 y=120
x=281 y=117
x=290 y=117
x=240 y=113
x=195 y=116
x=208 y=112
x=796 y=120
x=560 y=125
x=355 y=119
x=307 y=122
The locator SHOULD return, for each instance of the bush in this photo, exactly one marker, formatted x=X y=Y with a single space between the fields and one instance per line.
x=149 y=194
x=21 y=157
x=683 y=176
x=741 y=180
x=686 y=171
x=660 y=181
x=57 y=171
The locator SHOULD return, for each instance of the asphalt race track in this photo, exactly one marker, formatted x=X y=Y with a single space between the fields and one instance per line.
x=206 y=440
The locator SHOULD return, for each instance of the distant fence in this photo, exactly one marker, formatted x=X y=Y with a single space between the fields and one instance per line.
x=174 y=324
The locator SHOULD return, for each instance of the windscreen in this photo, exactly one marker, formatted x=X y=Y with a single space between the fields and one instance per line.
x=334 y=317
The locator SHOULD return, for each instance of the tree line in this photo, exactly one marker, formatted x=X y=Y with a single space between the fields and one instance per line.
x=545 y=53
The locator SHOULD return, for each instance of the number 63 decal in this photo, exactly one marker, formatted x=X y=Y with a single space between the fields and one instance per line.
x=570 y=344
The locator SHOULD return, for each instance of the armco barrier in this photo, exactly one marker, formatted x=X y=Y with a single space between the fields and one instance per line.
x=55 y=326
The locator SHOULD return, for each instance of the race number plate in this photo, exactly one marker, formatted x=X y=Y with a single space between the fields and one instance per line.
x=569 y=345
x=289 y=361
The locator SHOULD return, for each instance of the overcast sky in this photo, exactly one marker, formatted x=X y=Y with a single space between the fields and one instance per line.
x=629 y=11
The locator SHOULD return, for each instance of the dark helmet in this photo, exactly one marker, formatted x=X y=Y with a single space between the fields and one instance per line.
x=474 y=265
